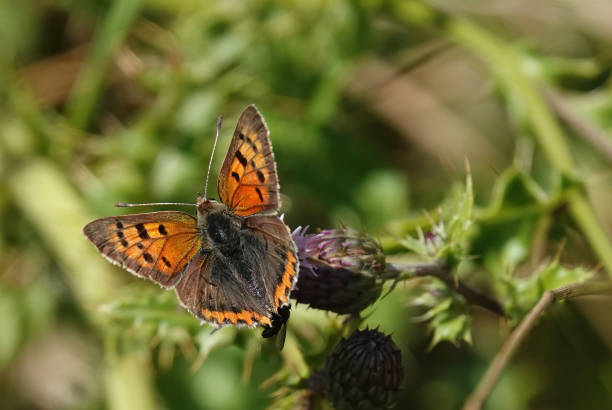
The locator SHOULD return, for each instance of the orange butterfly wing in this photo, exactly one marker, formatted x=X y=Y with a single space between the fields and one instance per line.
x=248 y=183
x=155 y=245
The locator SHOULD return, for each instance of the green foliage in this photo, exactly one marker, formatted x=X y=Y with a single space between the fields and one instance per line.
x=25 y=313
x=497 y=240
x=373 y=106
x=445 y=311
x=448 y=237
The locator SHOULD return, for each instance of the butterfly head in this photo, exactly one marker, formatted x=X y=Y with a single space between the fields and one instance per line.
x=206 y=206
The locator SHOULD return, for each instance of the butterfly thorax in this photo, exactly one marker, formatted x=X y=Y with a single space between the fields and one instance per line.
x=237 y=247
x=218 y=226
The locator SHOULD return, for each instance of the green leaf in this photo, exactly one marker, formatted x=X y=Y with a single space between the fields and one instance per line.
x=445 y=310
x=152 y=307
x=451 y=327
x=449 y=236
x=513 y=191
x=458 y=213
x=505 y=227
x=551 y=276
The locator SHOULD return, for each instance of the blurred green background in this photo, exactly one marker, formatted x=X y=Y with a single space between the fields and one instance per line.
x=373 y=107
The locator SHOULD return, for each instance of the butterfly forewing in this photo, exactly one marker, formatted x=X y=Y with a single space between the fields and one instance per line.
x=156 y=245
x=248 y=183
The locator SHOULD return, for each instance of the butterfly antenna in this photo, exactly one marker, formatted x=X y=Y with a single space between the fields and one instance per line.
x=219 y=121
x=126 y=205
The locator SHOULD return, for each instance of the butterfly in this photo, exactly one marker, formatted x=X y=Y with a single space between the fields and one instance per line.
x=233 y=264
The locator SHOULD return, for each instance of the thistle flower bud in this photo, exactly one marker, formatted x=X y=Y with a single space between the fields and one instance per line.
x=340 y=270
x=364 y=371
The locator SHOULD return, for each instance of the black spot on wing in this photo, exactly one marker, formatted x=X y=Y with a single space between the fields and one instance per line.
x=241 y=158
x=119 y=225
x=165 y=261
x=241 y=136
x=252 y=144
x=142 y=232
x=261 y=176
x=140 y=246
x=162 y=229
x=236 y=176
x=122 y=240
x=147 y=257
x=259 y=193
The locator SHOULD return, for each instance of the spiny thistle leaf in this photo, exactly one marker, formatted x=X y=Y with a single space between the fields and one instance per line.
x=448 y=236
x=451 y=326
x=162 y=323
x=443 y=309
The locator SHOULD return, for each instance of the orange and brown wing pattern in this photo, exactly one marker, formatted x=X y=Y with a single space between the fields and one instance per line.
x=248 y=183
x=156 y=245
x=280 y=264
x=210 y=291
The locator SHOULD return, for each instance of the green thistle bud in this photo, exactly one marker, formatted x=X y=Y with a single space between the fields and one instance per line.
x=364 y=371
x=340 y=270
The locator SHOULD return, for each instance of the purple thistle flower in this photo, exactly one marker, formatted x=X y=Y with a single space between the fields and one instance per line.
x=340 y=270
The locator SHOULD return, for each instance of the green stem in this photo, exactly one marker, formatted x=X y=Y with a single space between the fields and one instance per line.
x=391 y=245
x=152 y=314
x=89 y=84
x=488 y=381
x=129 y=383
x=583 y=213
x=46 y=199
x=505 y=63
x=440 y=270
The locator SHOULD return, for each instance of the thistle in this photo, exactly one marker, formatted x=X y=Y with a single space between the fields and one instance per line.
x=364 y=371
x=340 y=270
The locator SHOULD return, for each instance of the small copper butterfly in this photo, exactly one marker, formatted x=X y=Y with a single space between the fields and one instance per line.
x=236 y=263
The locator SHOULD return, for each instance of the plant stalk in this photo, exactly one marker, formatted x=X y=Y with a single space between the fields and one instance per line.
x=488 y=381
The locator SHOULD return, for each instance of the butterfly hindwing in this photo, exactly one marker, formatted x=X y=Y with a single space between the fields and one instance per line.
x=156 y=245
x=279 y=265
x=213 y=291
x=248 y=183
x=245 y=284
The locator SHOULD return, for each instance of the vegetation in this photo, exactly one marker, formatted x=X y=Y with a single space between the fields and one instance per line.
x=463 y=149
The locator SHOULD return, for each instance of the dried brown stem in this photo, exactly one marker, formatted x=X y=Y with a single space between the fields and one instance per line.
x=585 y=129
x=488 y=381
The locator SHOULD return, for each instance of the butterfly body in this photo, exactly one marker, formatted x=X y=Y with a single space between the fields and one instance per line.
x=235 y=264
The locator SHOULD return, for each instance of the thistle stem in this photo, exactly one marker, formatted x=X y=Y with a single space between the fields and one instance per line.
x=440 y=270
x=488 y=381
